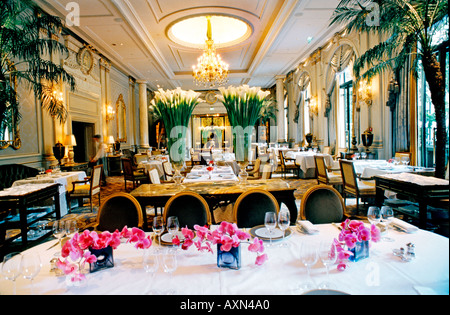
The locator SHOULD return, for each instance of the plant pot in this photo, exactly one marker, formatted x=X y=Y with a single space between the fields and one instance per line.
x=230 y=259
x=105 y=259
x=360 y=251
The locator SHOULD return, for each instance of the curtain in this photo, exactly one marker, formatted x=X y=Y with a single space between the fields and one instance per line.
x=400 y=118
x=303 y=83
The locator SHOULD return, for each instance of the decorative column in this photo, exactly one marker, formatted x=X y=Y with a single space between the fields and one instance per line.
x=280 y=106
x=143 y=115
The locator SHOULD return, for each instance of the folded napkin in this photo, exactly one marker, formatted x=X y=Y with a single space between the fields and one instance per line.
x=307 y=226
x=408 y=228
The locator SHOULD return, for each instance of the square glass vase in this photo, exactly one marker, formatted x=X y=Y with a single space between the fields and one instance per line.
x=230 y=259
x=360 y=251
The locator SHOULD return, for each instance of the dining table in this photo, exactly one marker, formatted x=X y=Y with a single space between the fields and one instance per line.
x=305 y=160
x=196 y=273
x=215 y=193
x=200 y=173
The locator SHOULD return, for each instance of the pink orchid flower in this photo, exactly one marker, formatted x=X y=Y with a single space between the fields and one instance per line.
x=261 y=259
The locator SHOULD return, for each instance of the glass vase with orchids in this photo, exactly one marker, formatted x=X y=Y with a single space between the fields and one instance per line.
x=244 y=105
x=174 y=108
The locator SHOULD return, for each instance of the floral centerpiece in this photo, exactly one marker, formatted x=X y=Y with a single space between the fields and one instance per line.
x=174 y=108
x=79 y=249
x=244 y=105
x=353 y=242
x=228 y=239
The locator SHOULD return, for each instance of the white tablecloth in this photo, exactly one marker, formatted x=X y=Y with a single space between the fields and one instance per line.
x=306 y=159
x=153 y=164
x=283 y=273
x=64 y=178
x=220 y=173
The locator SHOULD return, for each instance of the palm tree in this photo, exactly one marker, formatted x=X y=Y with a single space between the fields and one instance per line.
x=26 y=49
x=408 y=29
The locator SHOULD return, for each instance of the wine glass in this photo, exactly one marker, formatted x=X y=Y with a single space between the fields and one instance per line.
x=30 y=265
x=328 y=255
x=59 y=230
x=173 y=225
x=158 y=226
x=374 y=215
x=308 y=257
x=283 y=223
x=169 y=261
x=270 y=221
x=387 y=214
x=71 y=227
x=11 y=268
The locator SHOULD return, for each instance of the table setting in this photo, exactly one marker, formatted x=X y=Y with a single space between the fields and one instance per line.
x=210 y=173
x=298 y=262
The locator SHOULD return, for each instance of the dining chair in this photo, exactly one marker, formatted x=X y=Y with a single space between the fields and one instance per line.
x=322 y=204
x=135 y=175
x=326 y=150
x=168 y=171
x=267 y=171
x=138 y=158
x=87 y=188
x=353 y=186
x=190 y=208
x=403 y=155
x=154 y=176
x=254 y=173
x=251 y=206
x=323 y=175
x=120 y=209
x=288 y=165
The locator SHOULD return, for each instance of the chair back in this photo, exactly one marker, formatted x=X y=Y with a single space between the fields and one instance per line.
x=321 y=169
x=322 y=204
x=326 y=150
x=118 y=210
x=281 y=156
x=127 y=167
x=256 y=168
x=349 y=178
x=168 y=170
x=251 y=206
x=138 y=158
x=190 y=208
x=154 y=176
x=267 y=171
x=96 y=178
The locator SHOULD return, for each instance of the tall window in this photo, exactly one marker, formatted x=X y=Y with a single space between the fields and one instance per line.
x=425 y=109
x=345 y=113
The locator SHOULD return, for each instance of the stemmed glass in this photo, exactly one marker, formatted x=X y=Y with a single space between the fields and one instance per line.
x=308 y=256
x=173 y=225
x=11 y=268
x=270 y=221
x=328 y=256
x=374 y=215
x=283 y=223
x=170 y=264
x=151 y=262
x=71 y=227
x=158 y=226
x=387 y=214
x=59 y=230
x=30 y=265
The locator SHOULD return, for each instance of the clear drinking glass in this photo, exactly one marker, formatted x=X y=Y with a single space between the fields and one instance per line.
x=270 y=221
x=170 y=264
x=11 y=268
x=30 y=265
x=71 y=227
x=374 y=215
x=173 y=225
x=158 y=226
x=283 y=223
x=328 y=255
x=59 y=229
x=387 y=214
x=308 y=257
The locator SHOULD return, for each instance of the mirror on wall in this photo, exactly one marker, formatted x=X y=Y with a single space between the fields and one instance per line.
x=121 y=115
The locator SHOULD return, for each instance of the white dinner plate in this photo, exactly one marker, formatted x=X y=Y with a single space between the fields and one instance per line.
x=262 y=233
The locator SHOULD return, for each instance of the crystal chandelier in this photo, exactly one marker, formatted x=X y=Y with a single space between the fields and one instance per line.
x=210 y=70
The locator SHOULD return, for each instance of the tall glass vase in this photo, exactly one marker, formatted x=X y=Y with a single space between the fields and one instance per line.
x=242 y=150
x=177 y=151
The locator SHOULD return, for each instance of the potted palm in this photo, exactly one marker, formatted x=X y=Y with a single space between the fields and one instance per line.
x=409 y=26
x=26 y=34
x=244 y=105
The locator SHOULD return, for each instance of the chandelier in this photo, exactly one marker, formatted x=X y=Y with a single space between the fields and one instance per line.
x=210 y=70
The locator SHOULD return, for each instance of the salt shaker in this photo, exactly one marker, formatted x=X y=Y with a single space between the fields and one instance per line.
x=410 y=250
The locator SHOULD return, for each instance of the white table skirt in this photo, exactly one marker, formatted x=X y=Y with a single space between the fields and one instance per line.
x=306 y=159
x=283 y=273
x=64 y=178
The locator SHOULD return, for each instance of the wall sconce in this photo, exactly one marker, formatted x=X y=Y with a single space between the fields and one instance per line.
x=110 y=113
x=365 y=92
x=313 y=107
x=70 y=143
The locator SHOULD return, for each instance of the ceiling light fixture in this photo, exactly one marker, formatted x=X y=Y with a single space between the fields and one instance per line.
x=210 y=70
